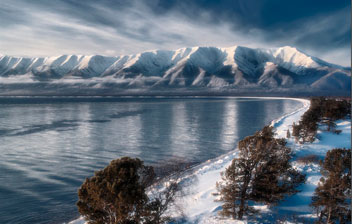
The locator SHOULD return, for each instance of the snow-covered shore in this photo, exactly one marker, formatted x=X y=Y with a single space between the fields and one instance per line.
x=200 y=206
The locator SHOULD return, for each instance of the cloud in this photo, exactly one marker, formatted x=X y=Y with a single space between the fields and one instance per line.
x=42 y=28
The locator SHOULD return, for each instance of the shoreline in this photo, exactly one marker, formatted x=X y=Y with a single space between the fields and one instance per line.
x=305 y=106
x=201 y=204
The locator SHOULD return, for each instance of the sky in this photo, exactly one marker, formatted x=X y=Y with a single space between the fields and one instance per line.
x=37 y=28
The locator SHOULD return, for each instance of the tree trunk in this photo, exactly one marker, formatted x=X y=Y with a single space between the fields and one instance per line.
x=241 y=211
x=329 y=215
x=320 y=217
x=243 y=195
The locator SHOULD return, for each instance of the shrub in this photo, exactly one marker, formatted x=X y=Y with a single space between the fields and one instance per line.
x=308 y=159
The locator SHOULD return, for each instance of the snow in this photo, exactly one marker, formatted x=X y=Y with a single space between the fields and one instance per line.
x=200 y=205
x=290 y=57
x=51 y=60
x=285 y=122
x=78 y=221
x=268 y=67
x=230 y=59
x=199 y=78
x=313 y=179
x=116 y=66
x=132 y=60
x=217 y=82
x=184 y=53
x=174 y=76
x=84 y=62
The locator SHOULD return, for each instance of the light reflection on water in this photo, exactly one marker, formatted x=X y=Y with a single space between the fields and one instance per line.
x=48 y=148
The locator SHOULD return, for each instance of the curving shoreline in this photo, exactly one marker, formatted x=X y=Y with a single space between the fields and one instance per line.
x=200 y=206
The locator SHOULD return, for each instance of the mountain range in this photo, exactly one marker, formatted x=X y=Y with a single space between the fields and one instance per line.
x=198 y=70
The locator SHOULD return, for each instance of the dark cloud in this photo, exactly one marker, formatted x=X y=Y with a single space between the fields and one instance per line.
x=277 y=19
x=130 y=26
x=262 y=14
x=278 y=13
x=323 y=32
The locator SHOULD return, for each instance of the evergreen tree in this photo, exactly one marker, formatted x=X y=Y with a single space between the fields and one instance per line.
x=117 y=195
x=261 y=173
x=332 y=197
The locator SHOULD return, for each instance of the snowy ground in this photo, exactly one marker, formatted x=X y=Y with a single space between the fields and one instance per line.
x=199 y=203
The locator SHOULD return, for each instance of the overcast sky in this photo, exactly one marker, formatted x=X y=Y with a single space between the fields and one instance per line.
x=54 y=27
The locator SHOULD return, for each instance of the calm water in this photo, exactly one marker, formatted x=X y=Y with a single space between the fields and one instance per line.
x=49 y=146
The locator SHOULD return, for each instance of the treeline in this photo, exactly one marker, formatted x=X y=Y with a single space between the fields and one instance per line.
x=323 y=110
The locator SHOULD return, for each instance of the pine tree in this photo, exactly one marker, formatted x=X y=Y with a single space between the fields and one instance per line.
x=333 y=195
x=117 y=195
x=261 y=173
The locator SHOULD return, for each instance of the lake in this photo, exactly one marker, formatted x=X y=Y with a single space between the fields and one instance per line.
x=49 y=146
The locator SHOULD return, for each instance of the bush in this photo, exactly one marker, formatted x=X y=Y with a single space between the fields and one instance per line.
x=117 y=194
x=308 y=159
x=172 y=166
x=262 y=173
x=337 y=132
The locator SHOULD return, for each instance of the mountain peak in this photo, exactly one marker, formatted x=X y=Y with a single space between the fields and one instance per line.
x=289 y=48
x=292 y=56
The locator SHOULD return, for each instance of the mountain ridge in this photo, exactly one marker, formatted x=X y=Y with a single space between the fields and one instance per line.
x=235 y=67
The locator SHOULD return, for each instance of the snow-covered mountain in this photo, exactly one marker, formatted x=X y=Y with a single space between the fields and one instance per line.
x=236 y=68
